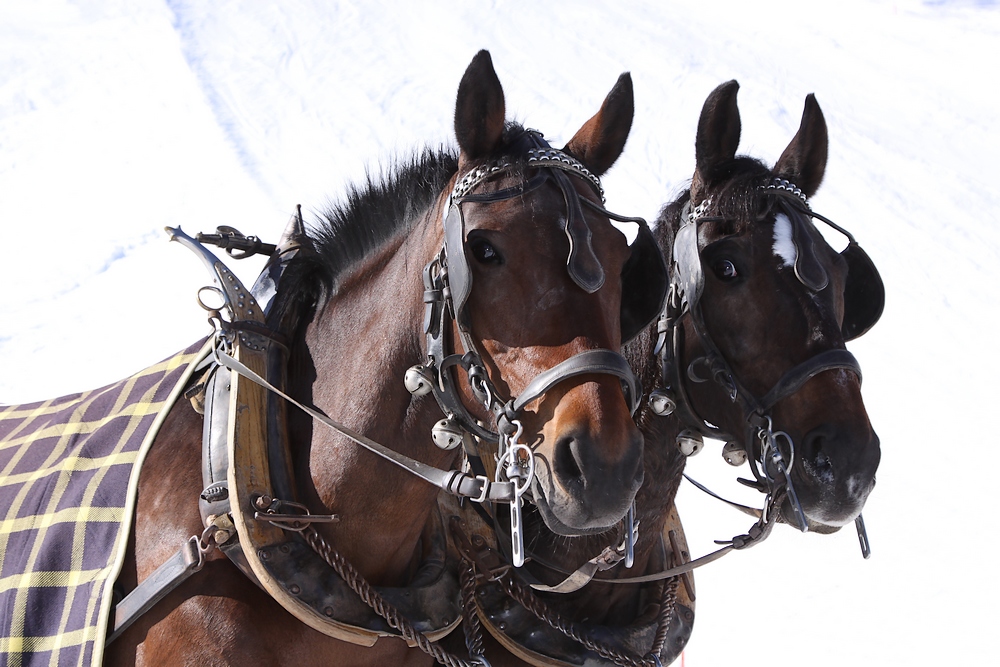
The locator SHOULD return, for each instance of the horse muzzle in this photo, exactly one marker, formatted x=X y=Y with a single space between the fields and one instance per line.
x=834 y=475
x=579 y=491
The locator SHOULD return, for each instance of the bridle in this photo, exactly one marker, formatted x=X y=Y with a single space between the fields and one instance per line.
x=447 y=286
x=770 y=452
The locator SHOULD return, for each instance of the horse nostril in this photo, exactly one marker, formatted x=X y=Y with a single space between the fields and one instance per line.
x=815 y=453
x=568 y=463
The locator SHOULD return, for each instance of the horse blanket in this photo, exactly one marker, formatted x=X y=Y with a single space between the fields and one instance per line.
x=69 y=470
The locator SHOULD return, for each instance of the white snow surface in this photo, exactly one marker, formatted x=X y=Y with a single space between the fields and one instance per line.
x=120 y=117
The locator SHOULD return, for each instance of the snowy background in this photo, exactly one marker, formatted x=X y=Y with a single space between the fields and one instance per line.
x=120 y=117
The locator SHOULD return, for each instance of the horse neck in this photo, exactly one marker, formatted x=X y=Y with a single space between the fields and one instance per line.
x=350 y=362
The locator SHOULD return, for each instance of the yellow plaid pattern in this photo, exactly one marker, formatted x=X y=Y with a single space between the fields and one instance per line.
x=68 y=474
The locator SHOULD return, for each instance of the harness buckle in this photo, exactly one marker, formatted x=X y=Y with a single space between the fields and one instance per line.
x=486 y=489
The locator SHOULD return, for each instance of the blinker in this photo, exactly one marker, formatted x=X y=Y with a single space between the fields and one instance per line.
x=864 y=292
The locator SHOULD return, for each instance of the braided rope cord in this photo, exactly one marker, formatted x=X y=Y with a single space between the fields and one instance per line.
x=379 y=605
x=527 y=599
x=471 y=624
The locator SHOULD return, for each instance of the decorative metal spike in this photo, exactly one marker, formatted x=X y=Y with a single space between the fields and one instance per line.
x=734 y=454
x=447 y=434
x=661 y=403
x=689 y=442
x=418 y=380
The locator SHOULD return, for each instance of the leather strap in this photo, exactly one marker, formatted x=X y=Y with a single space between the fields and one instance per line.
x=793 y=380
x=171 y=574
x=602 y=361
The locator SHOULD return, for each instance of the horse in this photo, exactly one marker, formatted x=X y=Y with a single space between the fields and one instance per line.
x=521 y=266
x=750 y=350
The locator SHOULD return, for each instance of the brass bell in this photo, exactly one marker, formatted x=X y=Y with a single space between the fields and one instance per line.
x=689 y=442
x=734 y=454
x=447 y=434
x=418 y=380
x=661 y=403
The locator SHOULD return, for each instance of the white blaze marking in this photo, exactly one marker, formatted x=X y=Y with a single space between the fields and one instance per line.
x=784 y=247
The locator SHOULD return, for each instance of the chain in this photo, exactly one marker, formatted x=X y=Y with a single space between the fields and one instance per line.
x=668 y=601
x=379 y=605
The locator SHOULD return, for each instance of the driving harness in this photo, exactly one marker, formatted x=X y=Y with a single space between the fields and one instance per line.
x=248 y=504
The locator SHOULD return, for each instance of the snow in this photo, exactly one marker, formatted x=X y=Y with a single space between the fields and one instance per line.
x=118 y=118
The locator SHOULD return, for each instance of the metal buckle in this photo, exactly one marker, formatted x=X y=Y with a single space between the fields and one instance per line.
x=486 y=489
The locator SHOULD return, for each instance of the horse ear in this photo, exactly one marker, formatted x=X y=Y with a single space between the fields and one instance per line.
x=479 y=110
x=718 y=135
x=602 y=138
x=804 y=161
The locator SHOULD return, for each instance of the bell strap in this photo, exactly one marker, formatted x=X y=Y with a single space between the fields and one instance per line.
x=478 y=489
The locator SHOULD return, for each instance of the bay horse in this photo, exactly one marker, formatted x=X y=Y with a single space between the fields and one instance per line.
x=536 y=280
x=750 y=350
x=522 y=266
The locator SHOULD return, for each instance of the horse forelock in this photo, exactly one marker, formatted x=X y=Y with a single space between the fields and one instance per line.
x=738 y=197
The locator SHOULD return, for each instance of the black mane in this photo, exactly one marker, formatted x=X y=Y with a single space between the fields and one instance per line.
x=390 y=203
x=379 y=209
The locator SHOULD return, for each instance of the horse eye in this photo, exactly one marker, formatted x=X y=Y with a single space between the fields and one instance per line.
x=725 y=270
x=485 y=253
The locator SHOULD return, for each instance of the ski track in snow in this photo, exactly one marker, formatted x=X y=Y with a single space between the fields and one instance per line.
x=117 y=118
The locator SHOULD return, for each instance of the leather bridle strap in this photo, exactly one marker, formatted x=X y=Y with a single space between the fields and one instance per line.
x=600 y=361
x=793 y=380
x=454 y=482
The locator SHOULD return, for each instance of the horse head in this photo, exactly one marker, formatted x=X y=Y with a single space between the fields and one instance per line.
x=540 y=290
x=770 y=304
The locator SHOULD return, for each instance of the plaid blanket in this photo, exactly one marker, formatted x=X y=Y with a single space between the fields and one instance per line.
x=68 y=476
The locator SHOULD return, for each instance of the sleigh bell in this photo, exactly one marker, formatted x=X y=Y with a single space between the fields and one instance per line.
x=661 y=403
x=734 y=454
x=418 y=380
x=447 y=434
x=689 y=442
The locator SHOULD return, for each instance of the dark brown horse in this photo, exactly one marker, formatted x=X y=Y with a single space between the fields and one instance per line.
x=750 y=350
x=536 y=275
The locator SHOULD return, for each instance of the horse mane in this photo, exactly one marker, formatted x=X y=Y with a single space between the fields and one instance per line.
x=384 y=205
x=387 y=203
x=390 y=203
